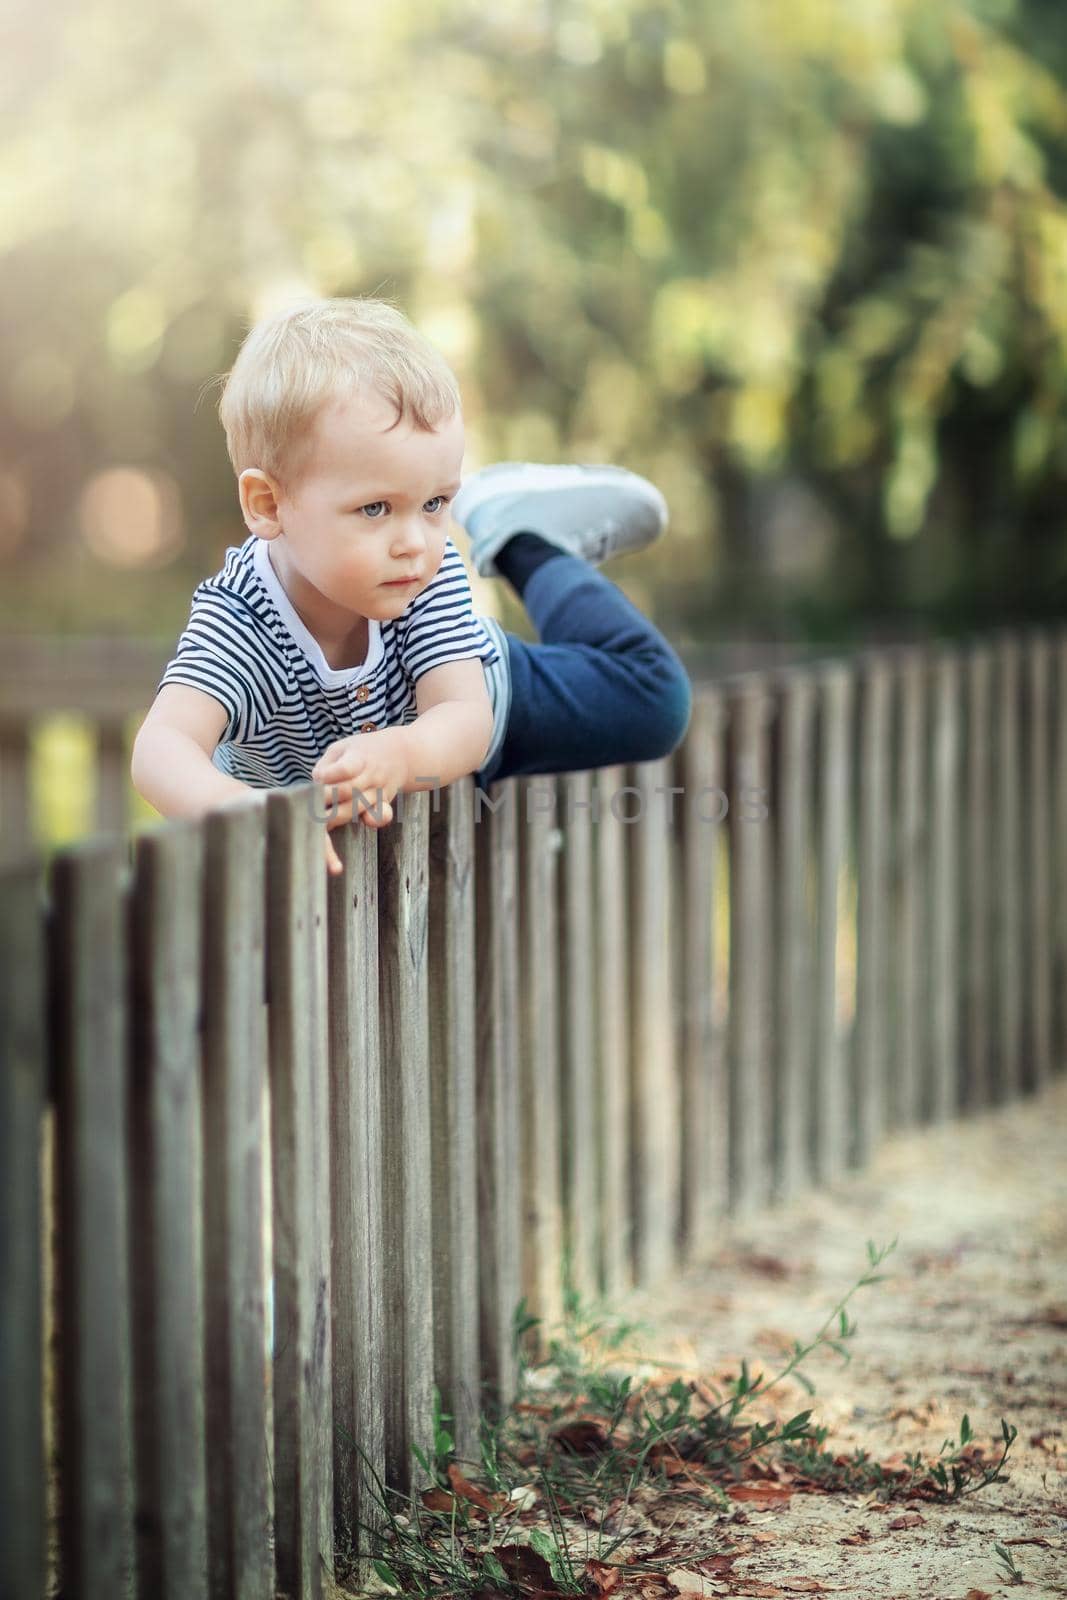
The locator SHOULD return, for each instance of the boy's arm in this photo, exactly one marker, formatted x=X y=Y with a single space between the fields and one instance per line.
x=448 y=739
x=171 y=765
x=452 y=733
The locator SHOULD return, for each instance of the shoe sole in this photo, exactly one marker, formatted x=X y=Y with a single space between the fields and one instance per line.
x=522 y=477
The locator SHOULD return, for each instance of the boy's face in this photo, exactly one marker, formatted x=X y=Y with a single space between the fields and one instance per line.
x=369 y=508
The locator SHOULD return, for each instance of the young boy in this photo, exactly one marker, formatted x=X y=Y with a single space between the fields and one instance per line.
x=338 y=642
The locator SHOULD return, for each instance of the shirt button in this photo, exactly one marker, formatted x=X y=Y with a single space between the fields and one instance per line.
x=363 y=693
x=368 y=727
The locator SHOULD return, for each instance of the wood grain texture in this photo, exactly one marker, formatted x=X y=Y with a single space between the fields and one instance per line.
x=704 y=1089
x=794 y=990
x=870 y=1056
x=613 y=1042
x=978 y=888
x=539 y=1080
x=166 y=1164
x=1008 y=858
x=830 y=1119
x=453 y=992
x=909 y=952
x=23 y=1090
x=299 y=1124
x=751 y=709
x=235 y=1140
x=655 y=1132
x=88 y=888
x=1038 y=865
x=577 y=798
x=403 y=894
x=944 y=1083
x=499 y=1138
x=356 y=1182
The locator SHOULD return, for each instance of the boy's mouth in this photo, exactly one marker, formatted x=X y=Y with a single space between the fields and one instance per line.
x=399 y=583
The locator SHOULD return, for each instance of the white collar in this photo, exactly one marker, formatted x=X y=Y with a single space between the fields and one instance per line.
x=330 y=677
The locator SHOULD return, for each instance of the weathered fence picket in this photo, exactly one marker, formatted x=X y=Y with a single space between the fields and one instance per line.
x=538 y=1065
x=751 y=711
x=705 y=1105
x=23 y=1096
x=318 y=1140
x=655 y=1139
x=613 y=1043
x=453 y=1111
x=238 y=1367
x=406 y=1142
x=831 y=1106
x=166 y=1168
x=357 y=1258
x=300 y=1190
x=578 y=1023
x=92 y=1089
x=499 y=1134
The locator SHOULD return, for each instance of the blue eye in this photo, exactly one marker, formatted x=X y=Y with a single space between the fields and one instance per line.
x=374 y=510
x=437 y=503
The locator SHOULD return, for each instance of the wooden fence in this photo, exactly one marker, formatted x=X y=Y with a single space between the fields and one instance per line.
x=280 y=1152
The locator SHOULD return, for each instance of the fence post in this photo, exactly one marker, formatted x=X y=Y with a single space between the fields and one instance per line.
x=750 y=937
x=299 y=1126
x=869 y=1103
x=88 y=887
x=542 y=1211
x=795 y=1029
x=578 y=1030
x=452 y=1008
x=499 y=1143
x=705 y=1107
x=909 y=941
x=166 y=1164
x=655 y=1089
x=23 y=1088
x=1008 y=859
x=406 y=1152
x=234 y=1092
x=1059 y=834
x=829 y=1131
x=1038 y=931
x=978 y=895
x=944 y=884
x=357 y=1259
x=613 y=1045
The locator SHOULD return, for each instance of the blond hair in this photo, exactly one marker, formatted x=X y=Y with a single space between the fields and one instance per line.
x=295 y=361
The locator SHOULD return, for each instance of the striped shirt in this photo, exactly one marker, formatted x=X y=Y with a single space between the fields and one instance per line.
x=246 y=646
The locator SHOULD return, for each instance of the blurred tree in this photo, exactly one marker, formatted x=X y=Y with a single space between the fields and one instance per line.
x=802 y=260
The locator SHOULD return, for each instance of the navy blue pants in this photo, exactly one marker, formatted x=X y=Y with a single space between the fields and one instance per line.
x=602 y=686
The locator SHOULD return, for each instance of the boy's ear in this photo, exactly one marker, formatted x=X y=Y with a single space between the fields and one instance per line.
x=258 y=494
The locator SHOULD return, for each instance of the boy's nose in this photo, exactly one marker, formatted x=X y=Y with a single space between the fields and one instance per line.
x=409 y=537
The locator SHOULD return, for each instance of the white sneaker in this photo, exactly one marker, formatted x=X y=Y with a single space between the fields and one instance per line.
x=589 y=511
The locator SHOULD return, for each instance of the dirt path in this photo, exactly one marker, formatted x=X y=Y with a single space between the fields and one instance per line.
x=972 y=1318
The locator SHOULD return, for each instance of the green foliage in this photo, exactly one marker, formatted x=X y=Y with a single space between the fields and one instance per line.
x=802 y=261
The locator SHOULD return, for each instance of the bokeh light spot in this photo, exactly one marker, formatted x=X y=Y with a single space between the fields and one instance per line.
x=131 y=518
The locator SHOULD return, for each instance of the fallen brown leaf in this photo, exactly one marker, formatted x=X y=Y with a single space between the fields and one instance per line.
x=470 y=1491
x=768 y=1493
x=605 y=1578
x=910 y=1519
x=526 y=1568
x=584 y=1437
x=861 y=1536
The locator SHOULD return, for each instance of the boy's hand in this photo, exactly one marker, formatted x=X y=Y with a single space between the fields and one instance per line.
x=367 y=763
